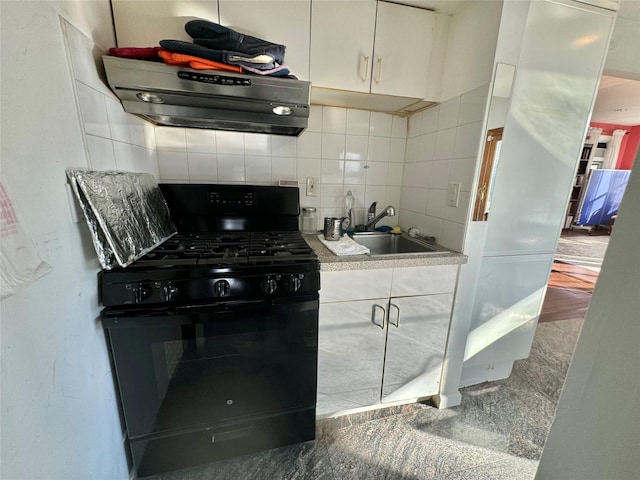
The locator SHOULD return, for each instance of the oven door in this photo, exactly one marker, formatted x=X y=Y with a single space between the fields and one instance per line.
x=195 y=367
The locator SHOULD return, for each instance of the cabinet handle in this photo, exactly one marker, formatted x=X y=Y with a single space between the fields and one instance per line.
x=397 y=324
x=379 y=76
x=373 y=315
x=364 y=61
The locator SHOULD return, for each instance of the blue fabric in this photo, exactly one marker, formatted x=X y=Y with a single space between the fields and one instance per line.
x=215 y=36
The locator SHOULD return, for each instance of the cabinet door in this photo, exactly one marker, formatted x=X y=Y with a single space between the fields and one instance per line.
x=144 y=24
x=342 y=44
x=416 y=341
x=402 y=51
x=350 y=354
x=278 y=21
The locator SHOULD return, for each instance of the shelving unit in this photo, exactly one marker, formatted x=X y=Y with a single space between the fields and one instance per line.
x=579 y=184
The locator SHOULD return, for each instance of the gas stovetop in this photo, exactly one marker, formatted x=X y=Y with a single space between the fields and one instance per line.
x=226 y=249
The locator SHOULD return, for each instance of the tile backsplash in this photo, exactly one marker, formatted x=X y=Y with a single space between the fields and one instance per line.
x=344 y=149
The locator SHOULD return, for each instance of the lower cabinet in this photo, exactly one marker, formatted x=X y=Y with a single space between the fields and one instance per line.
x=382 y=335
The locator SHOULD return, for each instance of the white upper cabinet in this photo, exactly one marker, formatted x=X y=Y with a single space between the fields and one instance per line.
x=278 y=21
x=342 y=44
x=372 y=47
x=144 y=24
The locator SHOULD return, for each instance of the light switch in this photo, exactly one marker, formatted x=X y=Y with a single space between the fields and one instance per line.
x=453 y=193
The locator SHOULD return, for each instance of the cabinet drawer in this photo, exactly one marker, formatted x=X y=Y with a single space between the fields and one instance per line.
x=411 y=281
x=356 y=285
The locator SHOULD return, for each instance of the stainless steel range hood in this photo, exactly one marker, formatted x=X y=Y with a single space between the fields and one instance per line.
x=182 y=97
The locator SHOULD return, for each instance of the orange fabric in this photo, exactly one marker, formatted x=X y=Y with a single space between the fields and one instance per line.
x=197 y=63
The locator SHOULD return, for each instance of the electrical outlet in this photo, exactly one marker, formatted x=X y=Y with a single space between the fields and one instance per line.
x=453 y=193
x=312 y=186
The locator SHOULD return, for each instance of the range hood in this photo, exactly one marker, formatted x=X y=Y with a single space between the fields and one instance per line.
x=181 y=97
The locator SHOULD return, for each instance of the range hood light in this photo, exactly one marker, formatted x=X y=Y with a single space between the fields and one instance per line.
x=282 y=110
x=149 y=97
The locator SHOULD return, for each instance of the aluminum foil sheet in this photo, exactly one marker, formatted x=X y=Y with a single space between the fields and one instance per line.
x=126 y=213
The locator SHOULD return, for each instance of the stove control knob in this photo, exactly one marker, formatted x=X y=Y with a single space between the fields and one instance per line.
x=170 y=293
x=141 y=292
x=293 y=283
x=221 y=288
x=269 y=286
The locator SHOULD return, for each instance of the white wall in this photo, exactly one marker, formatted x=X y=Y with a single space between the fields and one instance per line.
x=59 y=416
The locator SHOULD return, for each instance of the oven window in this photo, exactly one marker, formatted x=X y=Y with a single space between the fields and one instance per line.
x=214 y=365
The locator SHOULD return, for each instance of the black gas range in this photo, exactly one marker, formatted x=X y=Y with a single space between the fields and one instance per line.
x=214 y=332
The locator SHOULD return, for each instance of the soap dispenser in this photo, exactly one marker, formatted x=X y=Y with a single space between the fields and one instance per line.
x=349 y=212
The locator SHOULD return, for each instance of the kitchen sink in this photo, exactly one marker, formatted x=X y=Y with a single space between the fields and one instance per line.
x=383 y=243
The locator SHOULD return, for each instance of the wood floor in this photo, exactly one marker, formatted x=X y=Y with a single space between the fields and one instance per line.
x=568 y=292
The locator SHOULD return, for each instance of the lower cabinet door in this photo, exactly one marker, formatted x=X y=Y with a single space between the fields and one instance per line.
x=351 y=340
x=416 y=342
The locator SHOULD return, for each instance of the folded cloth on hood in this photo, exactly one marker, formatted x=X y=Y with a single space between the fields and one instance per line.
x=142 y=53
x=279 y=71
x=344 y=246
x=215 y=36
x=261 y=62
x=196 y=63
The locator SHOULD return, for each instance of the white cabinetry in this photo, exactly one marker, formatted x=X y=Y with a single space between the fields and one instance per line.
x=278 y=21
x=382 y=335
x=144 y=24
x=372 y=47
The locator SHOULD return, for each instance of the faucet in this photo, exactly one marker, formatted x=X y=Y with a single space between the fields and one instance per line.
x=372 y=218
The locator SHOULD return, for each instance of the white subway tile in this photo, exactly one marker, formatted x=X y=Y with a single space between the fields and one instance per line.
x=203 y=166
x=355 y=173
x=377 y=173
x=375 y=193
x=415 y=122
x=101 y=156
x=448 y=114
x=399 y=127
x=333 y=146
x=229 y=143
x=315 y=119
x=257 y=144
x=93 y=110
x=436 y=202
x=118 y=121
x=331 y=196
x=171 y=138
x=200 y=141
x=308 y=167
x=397 y=150
x=413 y=150
x=469 y=137
x=394 y=174
x=356 y=147
x=357 y=122
x=472 y=105
x=427 y=146
x=462 y=170
x=283 y=168
x=230 y=167
x=430 y=120
x=380 y=124
x=379 y=148
x=452 y=235
x=124 y=156
x=173 y=165
x=257 y=168
x=334 y=120
x=332 y=171
x=85 y=57
x=445 y=142
x=137 y=131
x=283 y=146
x=309 y=145
x=432 y=226
x=458 y=214
x=438 y=176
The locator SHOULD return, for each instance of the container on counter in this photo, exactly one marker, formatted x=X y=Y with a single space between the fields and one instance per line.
x=309 y=221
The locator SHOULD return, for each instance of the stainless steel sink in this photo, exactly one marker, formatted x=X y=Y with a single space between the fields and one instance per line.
x=382 y=243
